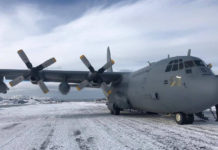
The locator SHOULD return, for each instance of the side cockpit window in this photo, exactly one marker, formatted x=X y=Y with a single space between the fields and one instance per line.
x=199 y=63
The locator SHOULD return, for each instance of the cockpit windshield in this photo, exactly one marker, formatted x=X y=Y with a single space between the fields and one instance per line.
x=179 y=64
x=199 y=63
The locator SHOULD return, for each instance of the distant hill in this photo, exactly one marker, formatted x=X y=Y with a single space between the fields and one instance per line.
x=33 y=91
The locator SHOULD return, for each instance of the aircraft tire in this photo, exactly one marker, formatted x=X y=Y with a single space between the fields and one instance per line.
x=190 y=119
x=116 y=111
x=112 y=112
x=180 y=118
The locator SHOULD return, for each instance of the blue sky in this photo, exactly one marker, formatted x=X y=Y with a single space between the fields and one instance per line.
x=137 y=31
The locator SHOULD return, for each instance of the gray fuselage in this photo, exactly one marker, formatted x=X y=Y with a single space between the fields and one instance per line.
x=152 y=89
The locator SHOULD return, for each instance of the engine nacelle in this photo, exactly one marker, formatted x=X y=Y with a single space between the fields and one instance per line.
x=3 y=87
x=64 y=88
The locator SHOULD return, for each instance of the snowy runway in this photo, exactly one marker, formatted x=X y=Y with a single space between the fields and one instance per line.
x=88 y=125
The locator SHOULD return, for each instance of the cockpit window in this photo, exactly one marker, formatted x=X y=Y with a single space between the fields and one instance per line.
x=203 y=70
x=199 y=63
x=175 y=67
x=178 y=64
x=171 y=62
x=176 y=61
x=181 y=66
x=189 y=64
x=168 y=69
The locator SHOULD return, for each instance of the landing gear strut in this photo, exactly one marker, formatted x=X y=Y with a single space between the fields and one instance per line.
x=115 y=111
x=182 y=118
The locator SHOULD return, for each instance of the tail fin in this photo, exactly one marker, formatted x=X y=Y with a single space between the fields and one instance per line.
x=109 y=59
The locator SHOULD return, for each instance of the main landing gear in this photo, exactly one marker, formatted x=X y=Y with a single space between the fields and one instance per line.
x=115 y=111
x=182 y=118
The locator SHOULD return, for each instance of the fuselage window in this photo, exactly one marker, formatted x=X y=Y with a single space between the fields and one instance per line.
x=168 y=69
x=175 y=67
x=181 y=66
x=189 y=64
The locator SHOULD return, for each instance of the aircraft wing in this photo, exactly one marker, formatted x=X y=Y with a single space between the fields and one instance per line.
x=60 y=76
x=37 y=75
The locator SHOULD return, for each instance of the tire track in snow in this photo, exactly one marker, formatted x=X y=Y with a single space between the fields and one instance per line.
x=45 y=144
x=163 y=140
x=172 y=135
x=28 y=128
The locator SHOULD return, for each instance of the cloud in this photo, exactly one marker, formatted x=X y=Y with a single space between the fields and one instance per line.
x=138 y=32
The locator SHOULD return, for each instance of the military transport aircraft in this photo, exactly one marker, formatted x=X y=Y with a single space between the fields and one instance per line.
x=181 y=85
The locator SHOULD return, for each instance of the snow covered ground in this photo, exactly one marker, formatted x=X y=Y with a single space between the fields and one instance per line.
x=88 y=125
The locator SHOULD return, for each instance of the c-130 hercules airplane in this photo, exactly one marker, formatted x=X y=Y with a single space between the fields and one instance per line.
x=181 y=85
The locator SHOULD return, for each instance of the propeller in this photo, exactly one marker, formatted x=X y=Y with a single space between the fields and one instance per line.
x=33 y=73
x=95 y=76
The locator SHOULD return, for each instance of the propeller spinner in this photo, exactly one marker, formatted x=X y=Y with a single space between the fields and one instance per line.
x=33 y=73
x=95 y=76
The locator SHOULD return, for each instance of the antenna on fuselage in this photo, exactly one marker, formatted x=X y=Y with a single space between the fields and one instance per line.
x=189 y=52
x=168 y=56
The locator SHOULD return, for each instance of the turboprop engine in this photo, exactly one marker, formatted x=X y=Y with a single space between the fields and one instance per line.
x=64 y=88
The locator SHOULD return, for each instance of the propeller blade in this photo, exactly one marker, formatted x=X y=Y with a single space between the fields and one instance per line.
x=47 y=64
x=82 y=85
x=16 y=81
x=87 y=63
x=106 y=88
x=106 y=66
x=43 y=87
x=25 y=59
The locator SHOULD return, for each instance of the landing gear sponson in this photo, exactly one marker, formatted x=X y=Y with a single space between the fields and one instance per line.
x=182 y=118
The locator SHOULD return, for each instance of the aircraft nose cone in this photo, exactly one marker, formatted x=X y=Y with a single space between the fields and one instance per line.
x=203 y=93
x=209 y=91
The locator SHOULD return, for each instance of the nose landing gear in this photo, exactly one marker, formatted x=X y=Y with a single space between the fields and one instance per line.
x=182 y=118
